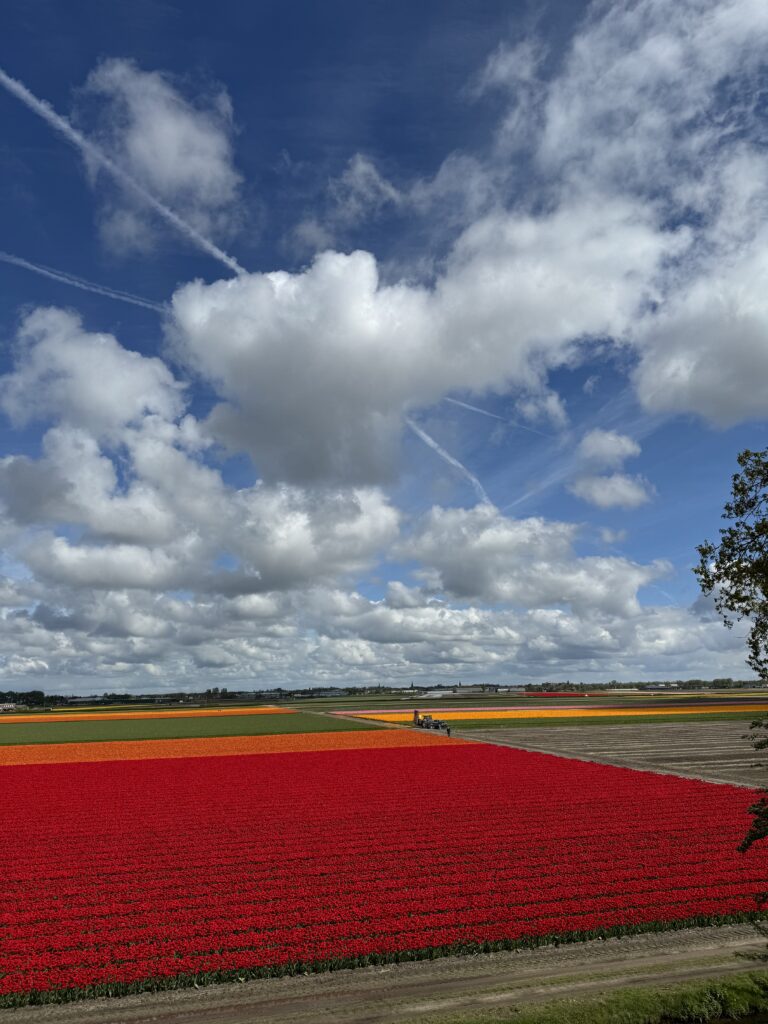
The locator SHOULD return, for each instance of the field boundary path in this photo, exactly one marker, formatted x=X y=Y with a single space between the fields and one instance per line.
x=414 y=992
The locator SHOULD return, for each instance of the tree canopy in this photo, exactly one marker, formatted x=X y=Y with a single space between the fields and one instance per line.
x=735 y=571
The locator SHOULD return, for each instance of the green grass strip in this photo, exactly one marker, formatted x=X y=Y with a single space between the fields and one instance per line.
x=39 y=997
x=99 y=730
x=732 y=997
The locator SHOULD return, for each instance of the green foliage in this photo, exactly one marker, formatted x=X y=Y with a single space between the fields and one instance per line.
x=759 y=810
x=31 y=698
x=736 y=570
x=729 y=998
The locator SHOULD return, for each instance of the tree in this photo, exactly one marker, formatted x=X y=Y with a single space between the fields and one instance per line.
x=759 y=810
x=736 y=570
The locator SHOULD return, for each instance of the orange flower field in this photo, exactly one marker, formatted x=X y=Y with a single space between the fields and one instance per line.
x=116 y=715
x=217 y=746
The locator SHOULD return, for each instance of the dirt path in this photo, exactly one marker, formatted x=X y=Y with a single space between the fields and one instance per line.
x=415 y=992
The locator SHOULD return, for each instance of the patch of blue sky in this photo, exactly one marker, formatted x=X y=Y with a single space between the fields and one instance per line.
x=73 y=533
x=227 y=562
x=13 y=568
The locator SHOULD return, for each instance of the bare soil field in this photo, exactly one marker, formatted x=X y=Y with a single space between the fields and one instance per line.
x=420 y=992
x=713 y=751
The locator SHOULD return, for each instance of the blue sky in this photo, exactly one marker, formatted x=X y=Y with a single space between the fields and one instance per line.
x=475 y=388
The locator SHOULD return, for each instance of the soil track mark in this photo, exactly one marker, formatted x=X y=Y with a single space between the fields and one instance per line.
x=415 y=992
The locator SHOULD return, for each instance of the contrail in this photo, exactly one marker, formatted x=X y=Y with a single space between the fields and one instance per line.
x=80 y=282
x=494 y=416
x=79 y=141
x=661 y=591
x=474 y=408
x=562 y=471
x=432 y=443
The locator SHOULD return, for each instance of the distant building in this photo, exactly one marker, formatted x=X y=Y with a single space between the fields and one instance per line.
x=8 y=707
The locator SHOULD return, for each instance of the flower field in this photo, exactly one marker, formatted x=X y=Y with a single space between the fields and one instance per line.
x=72 y=729
x=106 y=716
x=500 y=714
x=214 y=746
x=121 y=875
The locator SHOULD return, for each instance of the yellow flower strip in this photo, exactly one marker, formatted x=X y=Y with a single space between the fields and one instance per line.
x=75 y=716
x=218 y=746
x=454 y=716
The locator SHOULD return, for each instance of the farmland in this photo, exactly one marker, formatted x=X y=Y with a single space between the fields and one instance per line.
x=215 y=866
x=713 y=751
x=455 y=700
x=270 y=841
x=157 y=727
x=217 y=746
x=425 y=990
x=567 y=711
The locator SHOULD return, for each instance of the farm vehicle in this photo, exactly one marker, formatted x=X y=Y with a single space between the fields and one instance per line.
x=428 y=722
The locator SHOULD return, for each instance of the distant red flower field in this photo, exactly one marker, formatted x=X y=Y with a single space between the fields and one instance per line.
x=123 y=873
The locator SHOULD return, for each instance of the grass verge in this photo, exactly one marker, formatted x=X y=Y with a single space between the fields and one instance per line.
x=42 y=996
x=731 y=998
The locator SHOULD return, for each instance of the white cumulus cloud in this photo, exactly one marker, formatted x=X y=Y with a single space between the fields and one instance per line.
x=180 y=151
x=615 y=491
x=86 y=380
x=480 y=554
x=317 y=369
x=607 y=447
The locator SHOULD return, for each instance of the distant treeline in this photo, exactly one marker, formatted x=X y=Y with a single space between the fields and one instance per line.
x=723 y=683
x=29 y=697
x=37 y=698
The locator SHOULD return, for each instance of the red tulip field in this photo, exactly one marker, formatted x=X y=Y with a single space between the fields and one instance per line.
x=126 y=875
